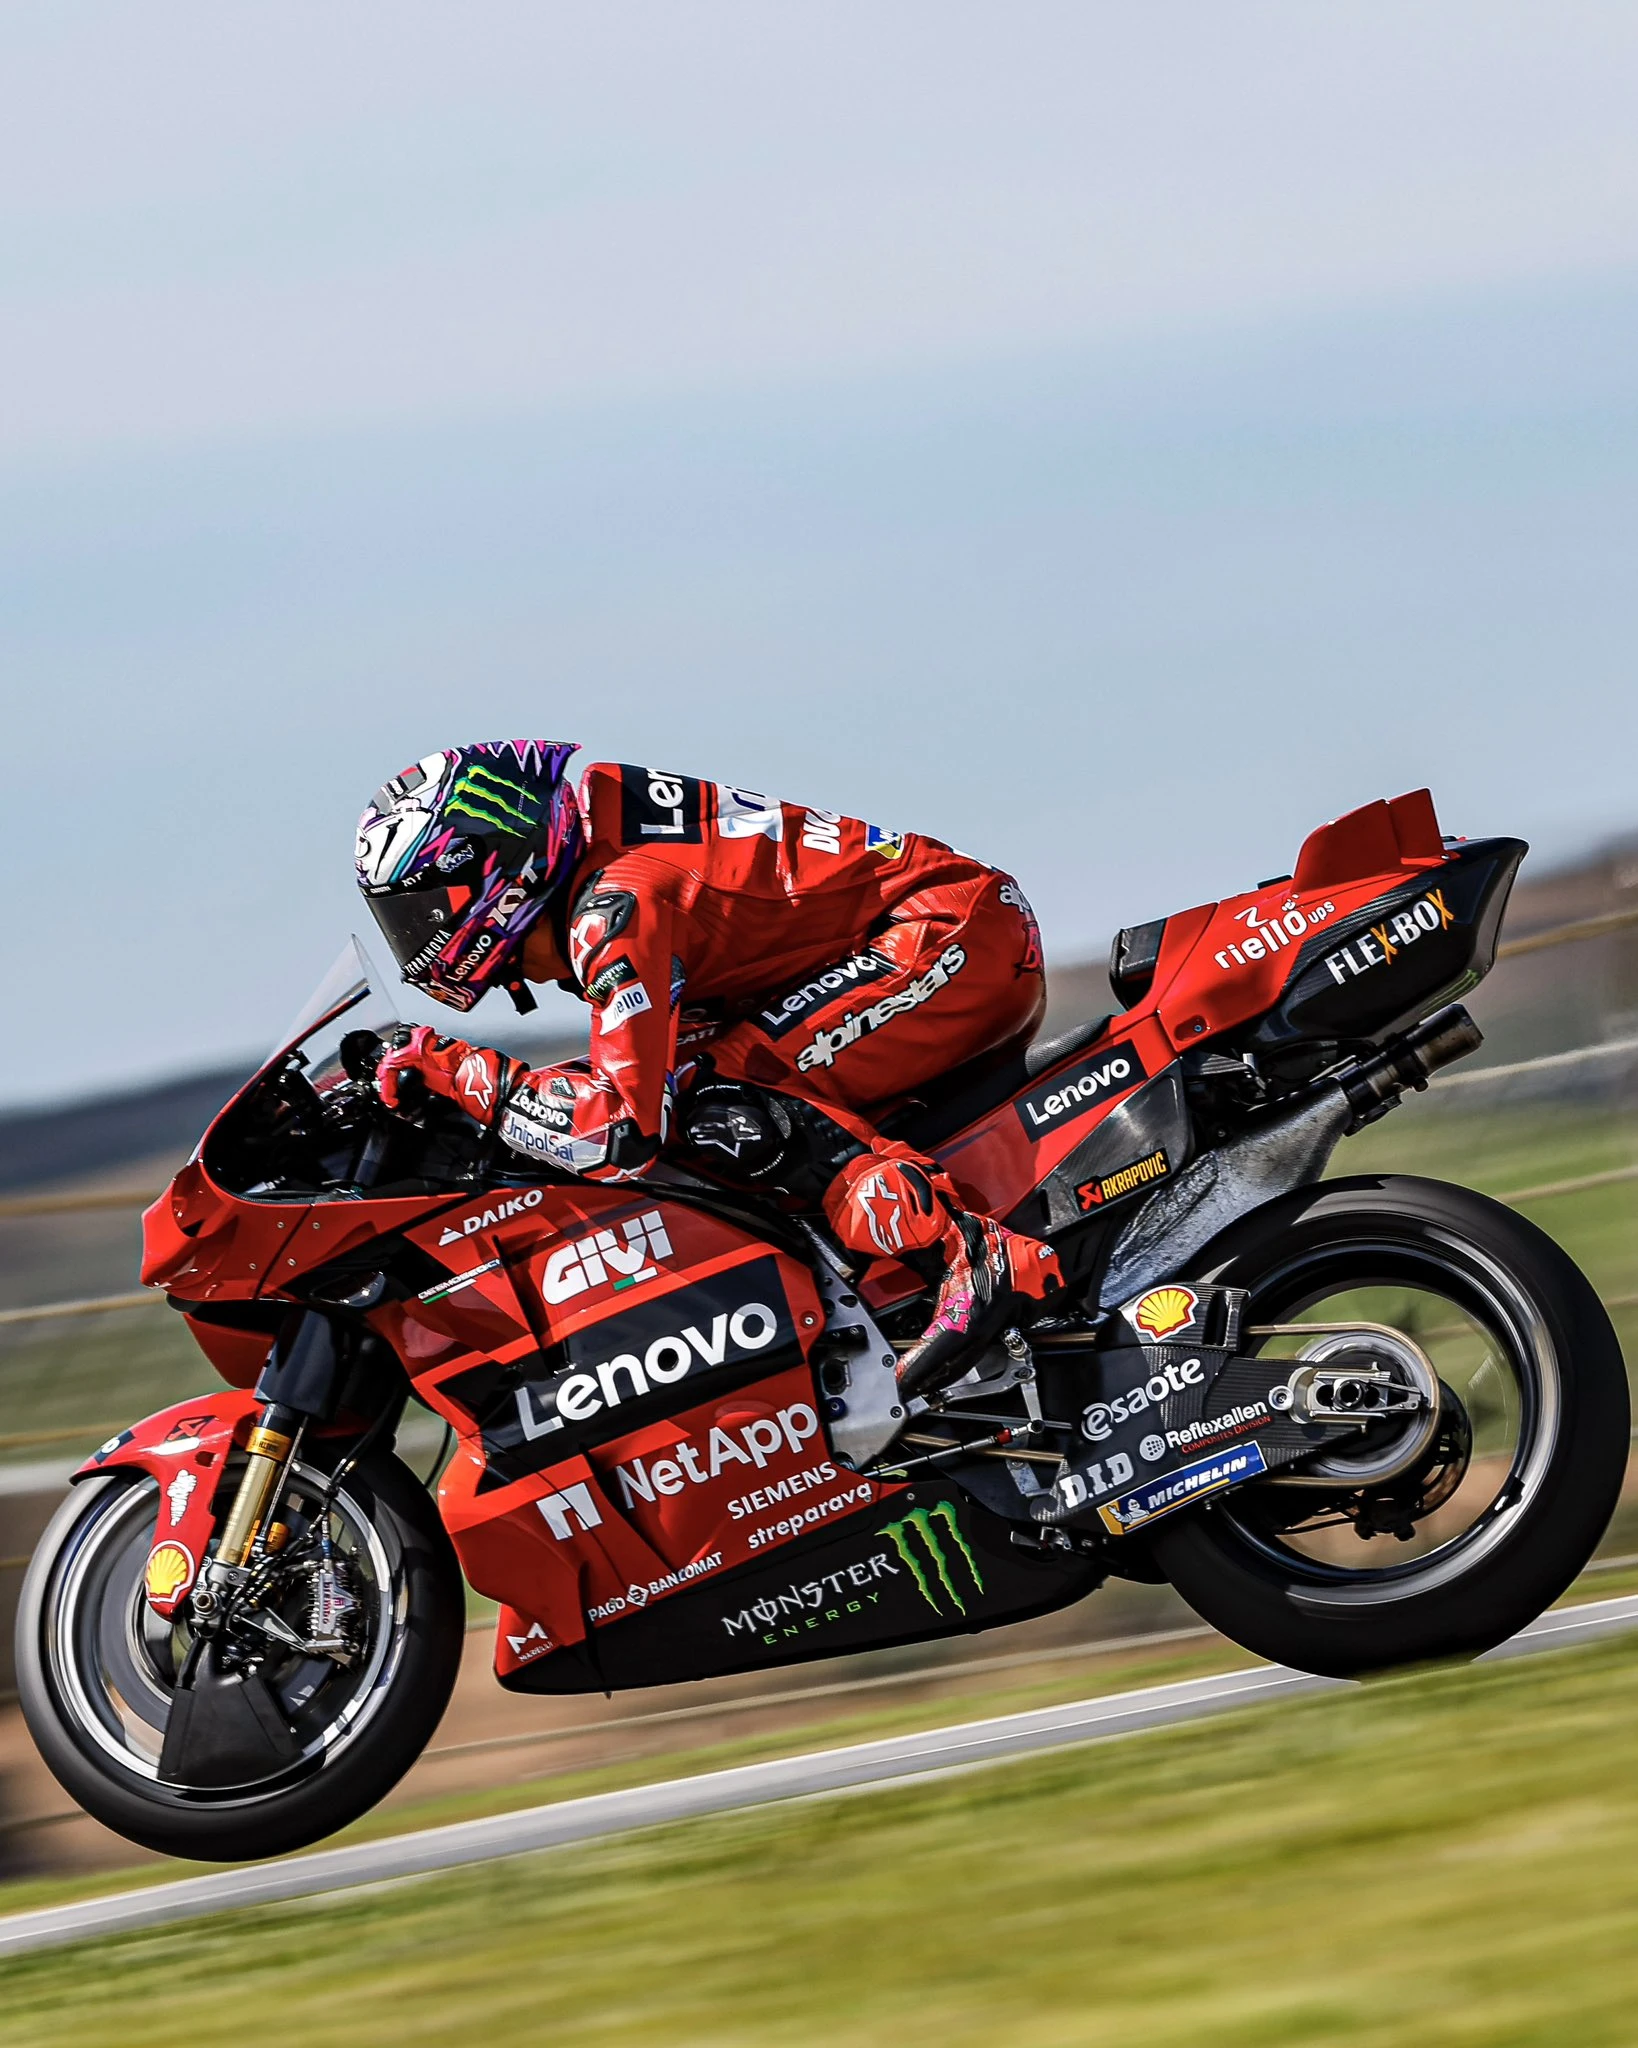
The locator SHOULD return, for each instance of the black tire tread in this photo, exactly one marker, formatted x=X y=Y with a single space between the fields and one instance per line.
x=319 y=1805
x=1561 y=1527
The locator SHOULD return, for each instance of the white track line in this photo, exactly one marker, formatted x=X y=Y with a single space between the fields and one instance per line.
x=895 y=1759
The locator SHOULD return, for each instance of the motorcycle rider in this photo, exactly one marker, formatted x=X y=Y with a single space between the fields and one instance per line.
x=782 y=969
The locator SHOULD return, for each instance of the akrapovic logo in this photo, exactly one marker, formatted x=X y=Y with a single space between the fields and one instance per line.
x=498 y=1212
x=1066 y=1095
x=595 y=1261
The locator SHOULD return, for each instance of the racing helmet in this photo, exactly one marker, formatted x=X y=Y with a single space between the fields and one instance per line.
x=458 y=856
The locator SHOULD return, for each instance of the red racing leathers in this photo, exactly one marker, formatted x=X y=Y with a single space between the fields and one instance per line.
x=806 y=952
x=832 y=960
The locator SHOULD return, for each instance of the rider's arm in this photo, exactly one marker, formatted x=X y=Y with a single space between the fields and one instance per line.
x=605 y=1117
x=621 y=952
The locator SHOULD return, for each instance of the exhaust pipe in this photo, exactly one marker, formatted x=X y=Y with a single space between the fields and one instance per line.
x=1374 y=1085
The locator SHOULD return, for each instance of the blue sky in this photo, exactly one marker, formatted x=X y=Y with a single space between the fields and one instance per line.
x=1113 y=439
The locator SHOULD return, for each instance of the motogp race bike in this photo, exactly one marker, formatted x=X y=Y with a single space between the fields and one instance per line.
x=1353 y=1421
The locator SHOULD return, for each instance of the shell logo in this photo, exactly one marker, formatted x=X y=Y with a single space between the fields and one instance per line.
x=169 y=1569
x=1162 y=1310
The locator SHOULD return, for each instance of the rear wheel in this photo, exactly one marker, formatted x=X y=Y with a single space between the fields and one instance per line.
x=98 y=1669
x=1507 y=1504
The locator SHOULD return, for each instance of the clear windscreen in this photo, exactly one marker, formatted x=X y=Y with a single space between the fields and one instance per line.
x=353 y=996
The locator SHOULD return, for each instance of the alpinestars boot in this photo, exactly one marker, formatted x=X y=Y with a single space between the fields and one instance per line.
x=993 y=1278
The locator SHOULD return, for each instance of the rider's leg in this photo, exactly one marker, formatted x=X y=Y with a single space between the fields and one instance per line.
x=892 y=1202
x=955 y=973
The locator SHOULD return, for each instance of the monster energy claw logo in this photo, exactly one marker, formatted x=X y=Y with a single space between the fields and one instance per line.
x=499 y=801
x=922 y=1522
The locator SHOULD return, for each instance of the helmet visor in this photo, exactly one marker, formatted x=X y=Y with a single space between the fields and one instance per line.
x=417 y=925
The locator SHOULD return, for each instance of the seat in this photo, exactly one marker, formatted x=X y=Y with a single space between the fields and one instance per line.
x=961 y=1097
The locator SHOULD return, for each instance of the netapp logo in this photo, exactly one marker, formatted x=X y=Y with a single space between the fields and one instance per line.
x=1067 y=1095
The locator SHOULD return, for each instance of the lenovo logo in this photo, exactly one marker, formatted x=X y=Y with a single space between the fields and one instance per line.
x=723 y=1339
x=1069 y=1095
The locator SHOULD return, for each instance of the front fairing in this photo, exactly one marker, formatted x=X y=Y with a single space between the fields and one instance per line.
x=225 y=1231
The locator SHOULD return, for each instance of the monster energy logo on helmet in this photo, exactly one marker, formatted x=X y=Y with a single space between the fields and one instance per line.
x=919 y=1533
x=500 y=802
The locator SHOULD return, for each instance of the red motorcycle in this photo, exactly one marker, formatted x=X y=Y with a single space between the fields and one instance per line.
x=1353 y=1421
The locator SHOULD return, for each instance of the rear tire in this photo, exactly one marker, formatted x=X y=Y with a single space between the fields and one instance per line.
x=93 y=1691
x=1474 y=1591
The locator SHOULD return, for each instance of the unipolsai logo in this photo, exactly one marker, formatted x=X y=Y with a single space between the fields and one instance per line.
x=936 y=1554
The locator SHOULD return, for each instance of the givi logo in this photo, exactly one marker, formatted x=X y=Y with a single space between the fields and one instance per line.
x=594 y=1261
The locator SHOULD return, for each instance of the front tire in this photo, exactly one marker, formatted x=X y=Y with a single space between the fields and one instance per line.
x=1323 y=1604
x=96 y=1670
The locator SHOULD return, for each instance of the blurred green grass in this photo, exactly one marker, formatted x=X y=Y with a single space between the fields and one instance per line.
x=1449 y=1857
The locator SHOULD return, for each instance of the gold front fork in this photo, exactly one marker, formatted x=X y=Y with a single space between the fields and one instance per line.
x=268 y=1451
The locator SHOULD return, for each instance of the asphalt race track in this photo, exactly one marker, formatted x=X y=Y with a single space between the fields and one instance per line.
x=895 y=1761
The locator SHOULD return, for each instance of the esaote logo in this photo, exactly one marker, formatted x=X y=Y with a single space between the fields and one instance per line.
x=592 y=1261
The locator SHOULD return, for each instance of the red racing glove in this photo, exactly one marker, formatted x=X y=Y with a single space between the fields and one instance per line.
x=473 y=1077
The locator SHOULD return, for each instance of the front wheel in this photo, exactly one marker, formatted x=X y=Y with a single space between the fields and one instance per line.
x=1506 y=1508
x=97 y=1669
